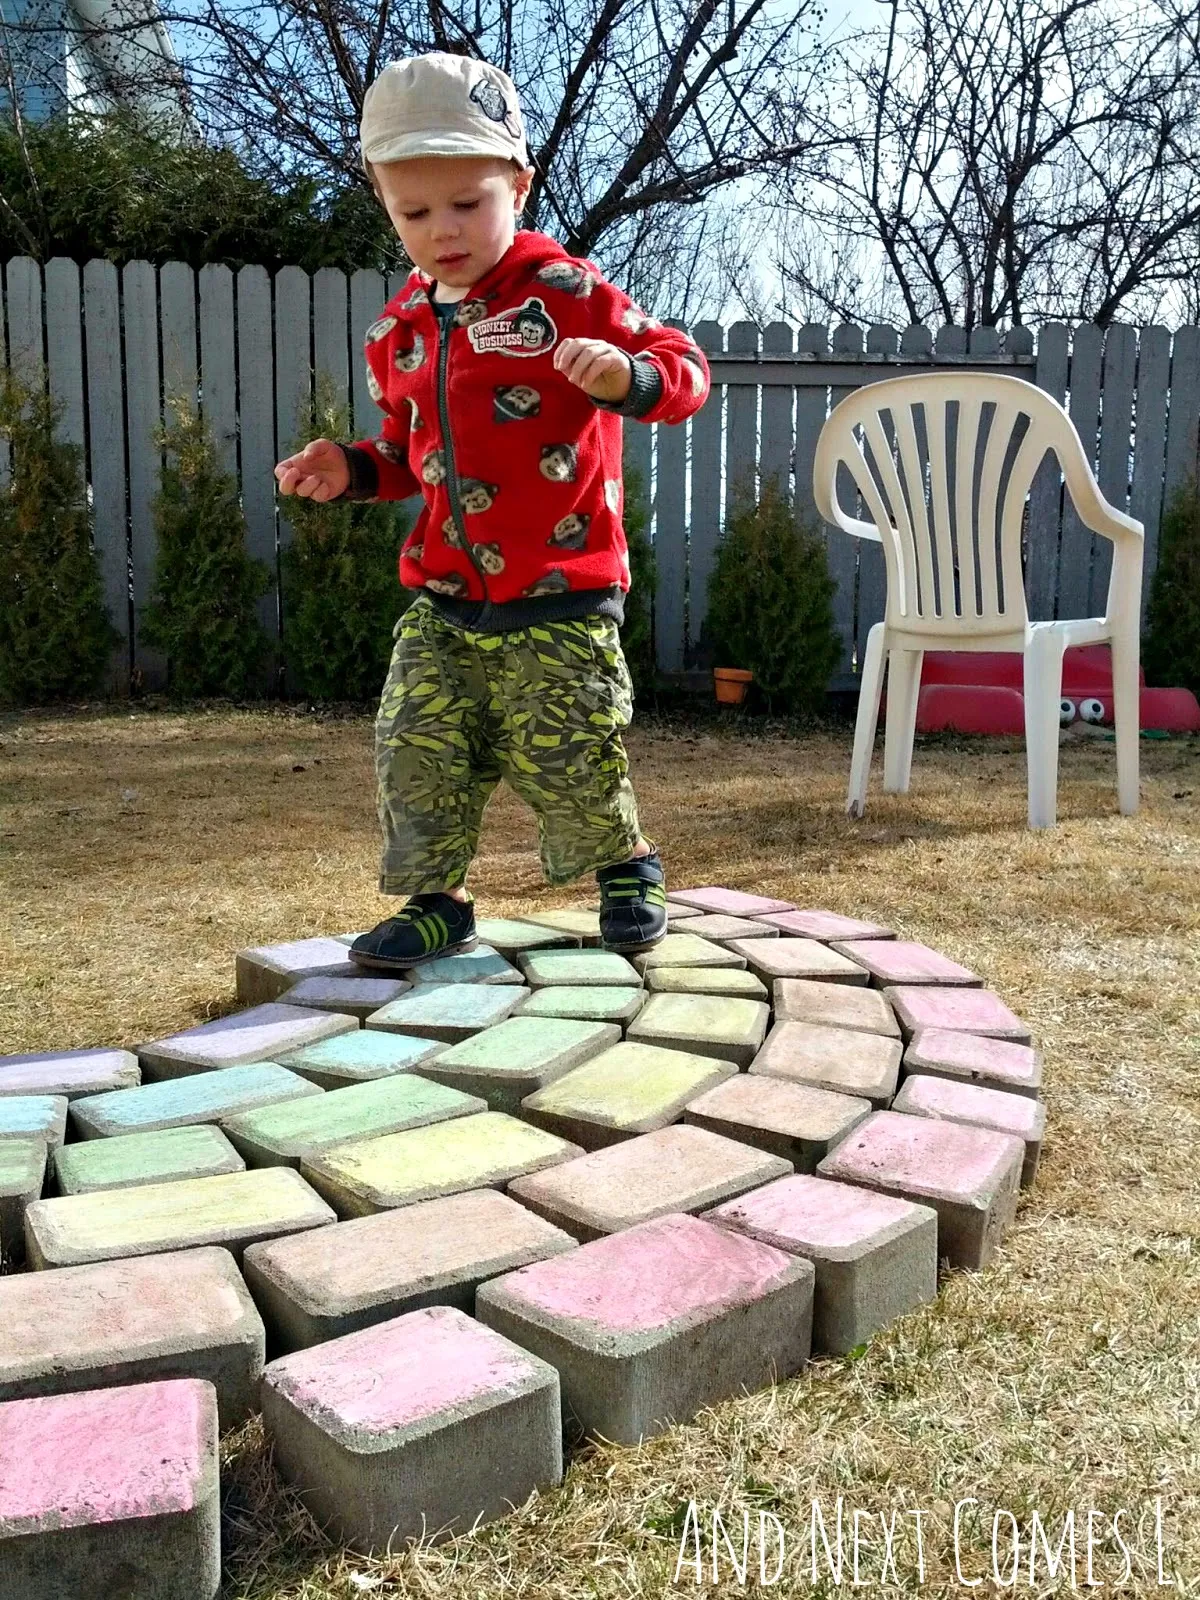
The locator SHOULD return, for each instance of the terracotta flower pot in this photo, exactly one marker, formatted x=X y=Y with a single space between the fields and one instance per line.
x=731 y=684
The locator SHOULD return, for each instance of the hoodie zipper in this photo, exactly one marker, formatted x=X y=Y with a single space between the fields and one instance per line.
x=444 y=331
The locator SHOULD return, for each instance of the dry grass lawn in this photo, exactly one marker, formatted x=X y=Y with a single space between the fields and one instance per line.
x=140 y=850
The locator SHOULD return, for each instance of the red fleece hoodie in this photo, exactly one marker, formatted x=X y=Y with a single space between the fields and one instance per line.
x=520 y=470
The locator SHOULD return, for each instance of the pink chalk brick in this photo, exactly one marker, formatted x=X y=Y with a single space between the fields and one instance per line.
x=823 y=925
x=805 y=1212
x=728 y=902
x=942 y=1098
x=976 y=1058
x=957 y=1011
x=891 y=961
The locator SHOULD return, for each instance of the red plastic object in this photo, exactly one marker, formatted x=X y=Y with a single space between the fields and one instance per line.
x=1087 y=670
x=1171 y=710
x=970 y=708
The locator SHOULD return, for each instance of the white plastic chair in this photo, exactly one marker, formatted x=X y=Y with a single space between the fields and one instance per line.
x=958 y=585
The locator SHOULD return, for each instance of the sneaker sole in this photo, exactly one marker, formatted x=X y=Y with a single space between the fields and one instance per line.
x=635 y=949
x=406 y=963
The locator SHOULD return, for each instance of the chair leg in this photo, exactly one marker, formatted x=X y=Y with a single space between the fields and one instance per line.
x=1126 y=721
x=903 y=687
x=870 y=687
x=1043 y=691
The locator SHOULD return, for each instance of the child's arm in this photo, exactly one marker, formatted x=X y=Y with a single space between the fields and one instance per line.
x=378 y=465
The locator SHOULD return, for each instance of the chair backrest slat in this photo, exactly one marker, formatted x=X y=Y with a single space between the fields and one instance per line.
x=935 y=427
x=969 y=412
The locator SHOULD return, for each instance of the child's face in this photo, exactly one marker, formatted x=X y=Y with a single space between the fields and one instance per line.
x=456 y=215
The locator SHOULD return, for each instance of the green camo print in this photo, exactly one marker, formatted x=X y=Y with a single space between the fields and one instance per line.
x=543 y=707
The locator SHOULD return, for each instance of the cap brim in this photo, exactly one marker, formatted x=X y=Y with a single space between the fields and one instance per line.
x=410 y=146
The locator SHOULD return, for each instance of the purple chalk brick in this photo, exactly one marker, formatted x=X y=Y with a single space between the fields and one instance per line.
x=69 y=1072
x=647 y=1326
x=424 y=1425
x=956 y=1011
x=265 y=972
x=976 y=1058
x=352 y=997
x=894 y=961
x=262 y=1033
x=111 y=1492
x=925 y=1096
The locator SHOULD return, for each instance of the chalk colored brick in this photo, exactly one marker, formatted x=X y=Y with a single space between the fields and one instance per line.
x=505 y=1063
x=481 y=965
x=352 y=997
x=22 y=1174
x=791 y=1120
x=261 y=1034
x=630 y=1089
x=942 y=1098
x=321 y=1285
x=510 y=937
x=235 y=1210
x=449 y=1012
x=427 y=1425
x=686 y=950
x=956 y=1011
x=264 y=972
x=732 y=981
x=69 y=1072
x=836 y=1005
x=581 y=924
x=712 y=925
x=728 y=902
x=797 y=958
x=484 y=1151
x=542 y=968
x=674 y=913
x=111 y=1493
x=196 y=1151
x=183 y=1315
x=976 y=1058
x=824 y=925
x=704 y=1025
x=283 y=1135
x=969 y=1176
x=895 y=961
x=648 y=1326
x=178 y=1102
x=600 y=1004
x=35 y=1116
x=875 y=1256
x=836 y=1059
x=672 y=1169
x=361 y=1057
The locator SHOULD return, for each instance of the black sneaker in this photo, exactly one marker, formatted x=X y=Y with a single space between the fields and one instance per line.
x=429 y=925
x=633 y=904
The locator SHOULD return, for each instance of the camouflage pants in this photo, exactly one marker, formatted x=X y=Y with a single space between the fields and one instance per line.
x=544 y=707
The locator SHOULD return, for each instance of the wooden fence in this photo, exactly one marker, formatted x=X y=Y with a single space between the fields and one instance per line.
x=246 y=347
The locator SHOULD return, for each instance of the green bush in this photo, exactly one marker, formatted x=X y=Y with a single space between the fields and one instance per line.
x=637 y=632
x=770 y=605
x=1171 y=654
x=341 y=590
x=203 y=605
x=55 y=636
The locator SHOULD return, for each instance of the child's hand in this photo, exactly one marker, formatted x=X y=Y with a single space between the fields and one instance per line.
x=597 y=367
x=318 y=472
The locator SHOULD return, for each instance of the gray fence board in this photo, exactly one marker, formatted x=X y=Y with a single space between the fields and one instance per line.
x=23 y=294
x=64 y=347
x=177 y=297
x=1183 y=410
x=1046 y=492
x=256 y=426
x=293 y=366
x=841 y=548
x=1116 y=447
x=872 y=573
x=775 y=450
x=1150 y=442
x=218 y=375
x=704 y=534
x=670 y=545
x=812 y=406
x=330 y=345
x=741 y=421
x=367 y=298
x=143 y=415
x=1075 y=549
x=106 y=451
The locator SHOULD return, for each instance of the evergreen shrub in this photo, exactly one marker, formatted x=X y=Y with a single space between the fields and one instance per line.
x=1171 y=654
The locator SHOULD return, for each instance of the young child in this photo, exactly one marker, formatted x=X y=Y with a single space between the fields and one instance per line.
x=503 y=368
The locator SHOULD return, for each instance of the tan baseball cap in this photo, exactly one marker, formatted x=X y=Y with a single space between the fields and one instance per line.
x=442 y=105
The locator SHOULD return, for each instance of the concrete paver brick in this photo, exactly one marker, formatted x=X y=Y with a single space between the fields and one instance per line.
x=703 y=1025
x=235 y=1209
x=976 y=1058
x=321 y=1285
x=732 y=981
x=545 y=967
x=481 y=965
x=22 y=1175
x=875 y=1256
x=262 y=1033
x=825 y=925
x=926 y=1096
x=483 y=1151
x=448 y=1012
x=720 y=928
x=519 y=1056
x=35 y=1116
x=798 y=958
x=677 y=1168
x=956 y=1011
x=835 y=1005
x=510 y=936
x=178 y=1102
x=352 y=997
x=265 y=971
x=970 y=1176
x=791 y=1120
x=361 y=1057
x=183 y=1315
x=728 y=902
x=195 y=1151
x=904 y=961
x=69 y=1072
x=837 y=1059
x=599 y=1004
x=687 y=950
x=579 y=922
x=649 y=1325
x=424 y=1425
x=111 y=1492
x=629 y=1089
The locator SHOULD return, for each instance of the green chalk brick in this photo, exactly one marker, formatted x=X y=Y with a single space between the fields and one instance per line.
x=579 y=922
x=630 y=1089
x=176 y=1102
x=233 y=1210
x=587 y=1004
x=706 y=980
x=448 y=1011
x=36 y=1116
x=511 y=937
x=360 y=1057
x=481 y=965
x=687 y=950
x=281 y=1135
x=505 y=1063
x=22 y=1173
x=545 y=967
x=704 y=1025
x=199 y=1151
x=481 y=1152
